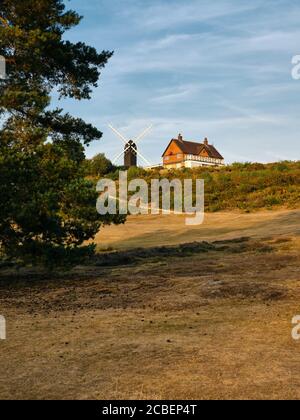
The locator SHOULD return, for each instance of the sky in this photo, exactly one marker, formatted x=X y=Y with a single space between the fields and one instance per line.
x=216 y=69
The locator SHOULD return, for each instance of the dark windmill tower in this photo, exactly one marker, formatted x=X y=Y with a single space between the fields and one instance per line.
x=130 y=151
x=130 y=154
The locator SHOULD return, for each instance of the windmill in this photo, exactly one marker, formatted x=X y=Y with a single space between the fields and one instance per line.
x=130 y=149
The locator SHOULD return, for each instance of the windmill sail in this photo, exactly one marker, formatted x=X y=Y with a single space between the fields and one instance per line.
x=130 y=150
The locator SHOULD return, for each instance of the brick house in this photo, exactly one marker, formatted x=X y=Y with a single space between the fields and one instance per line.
x=187 y=154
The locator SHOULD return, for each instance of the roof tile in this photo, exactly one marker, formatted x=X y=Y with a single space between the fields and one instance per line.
x=193 y=148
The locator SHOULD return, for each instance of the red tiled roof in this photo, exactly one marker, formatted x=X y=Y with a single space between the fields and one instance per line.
x=193 y=148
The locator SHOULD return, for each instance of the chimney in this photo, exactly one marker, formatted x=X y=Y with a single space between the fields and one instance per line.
x=180 y=138
x=206 y=141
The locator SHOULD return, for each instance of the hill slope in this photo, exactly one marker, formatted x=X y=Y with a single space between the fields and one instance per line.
x=246 y=186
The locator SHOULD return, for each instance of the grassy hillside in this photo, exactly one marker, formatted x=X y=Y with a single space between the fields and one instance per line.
x=246 y=186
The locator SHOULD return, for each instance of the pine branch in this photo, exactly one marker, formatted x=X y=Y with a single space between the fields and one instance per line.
x=4 y=22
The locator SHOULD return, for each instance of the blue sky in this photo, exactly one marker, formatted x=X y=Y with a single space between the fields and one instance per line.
x=218 y=69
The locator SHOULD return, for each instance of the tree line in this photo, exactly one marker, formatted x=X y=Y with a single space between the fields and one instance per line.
x=47 y=209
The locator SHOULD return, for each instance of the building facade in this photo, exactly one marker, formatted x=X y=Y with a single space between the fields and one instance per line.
x=186 y=154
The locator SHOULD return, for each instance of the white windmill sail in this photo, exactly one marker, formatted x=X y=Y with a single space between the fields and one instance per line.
x=131 y=144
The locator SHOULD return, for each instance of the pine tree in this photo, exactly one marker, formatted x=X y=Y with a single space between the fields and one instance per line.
x=48 y=208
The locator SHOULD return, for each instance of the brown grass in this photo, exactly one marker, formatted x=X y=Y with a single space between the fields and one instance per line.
x=194 y=322
x=147 y=231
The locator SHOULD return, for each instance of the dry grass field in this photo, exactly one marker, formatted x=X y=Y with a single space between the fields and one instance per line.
x=208 y=319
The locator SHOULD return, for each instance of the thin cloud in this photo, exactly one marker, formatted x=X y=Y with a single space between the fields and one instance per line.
x=176 y=14
x=217 y=69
